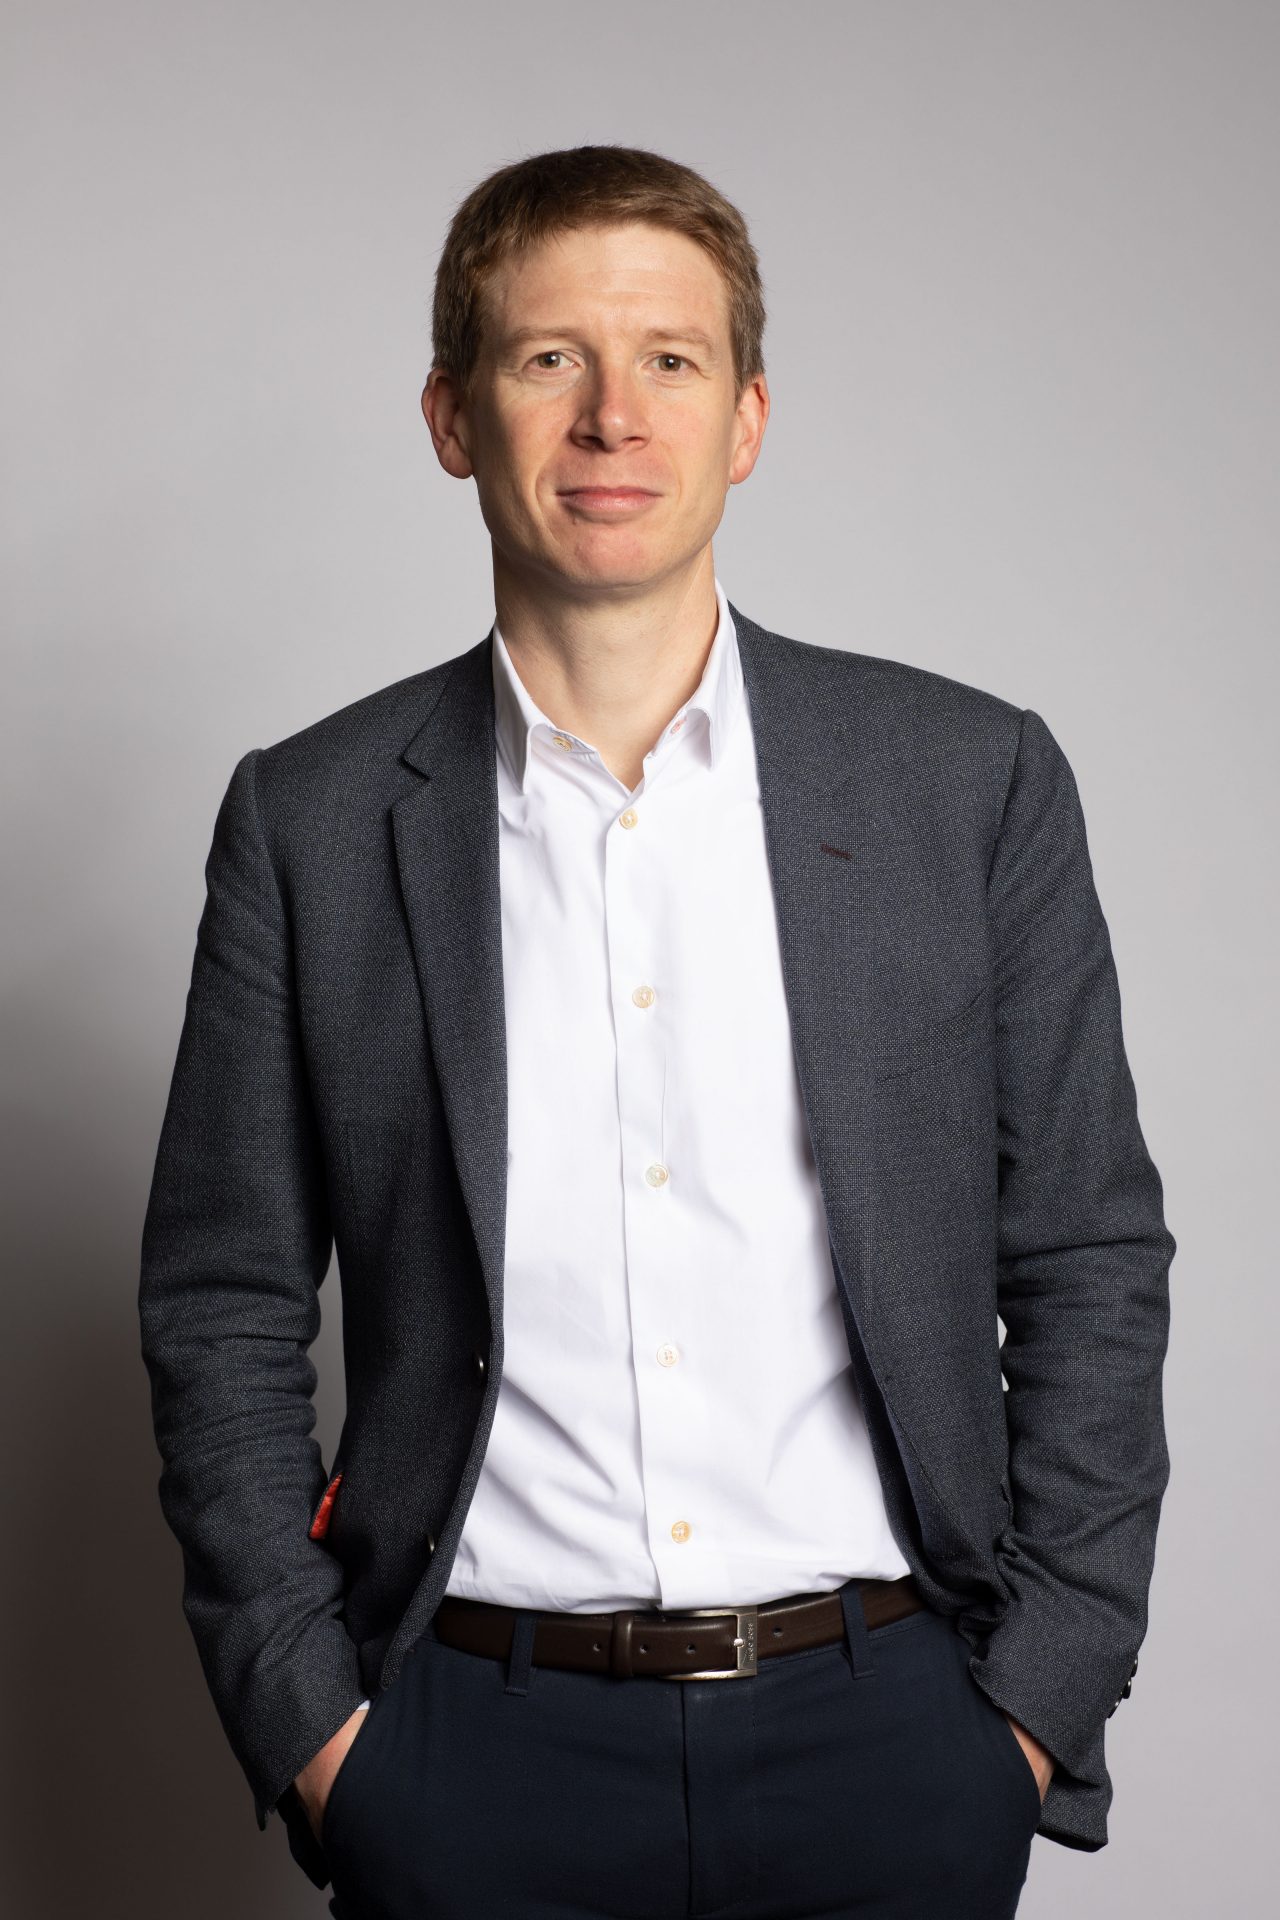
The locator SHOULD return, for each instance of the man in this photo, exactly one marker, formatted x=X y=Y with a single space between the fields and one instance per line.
x=692 y=1040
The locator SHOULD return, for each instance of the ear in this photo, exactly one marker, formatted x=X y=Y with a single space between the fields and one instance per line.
x=752 y=416
x=447 y=423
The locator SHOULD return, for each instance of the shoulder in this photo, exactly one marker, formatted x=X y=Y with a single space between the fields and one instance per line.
x=892 y=707
x=325 y=764
x=894 y=685
x=897 y=684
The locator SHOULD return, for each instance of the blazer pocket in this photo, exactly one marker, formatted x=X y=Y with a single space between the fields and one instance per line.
x=948 y=1039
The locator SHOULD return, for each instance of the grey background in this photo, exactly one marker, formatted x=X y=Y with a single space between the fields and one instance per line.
x=1020 y=263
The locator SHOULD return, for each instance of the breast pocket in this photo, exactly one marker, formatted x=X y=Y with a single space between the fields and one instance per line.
x=939 y=1044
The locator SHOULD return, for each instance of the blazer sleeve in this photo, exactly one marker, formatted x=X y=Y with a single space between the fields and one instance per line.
x=1083 y=1257
x=235 y=1244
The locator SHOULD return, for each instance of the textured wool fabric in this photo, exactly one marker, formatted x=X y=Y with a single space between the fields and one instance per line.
x=340 y=1081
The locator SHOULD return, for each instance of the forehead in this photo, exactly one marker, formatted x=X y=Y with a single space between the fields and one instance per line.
x=624 y=272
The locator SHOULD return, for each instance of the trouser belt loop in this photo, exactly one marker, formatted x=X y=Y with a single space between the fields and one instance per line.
x=855 y=1630
x=620 y=1644
x=520 y=1658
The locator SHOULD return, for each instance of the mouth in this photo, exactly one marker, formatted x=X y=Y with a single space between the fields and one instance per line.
x=608 y=499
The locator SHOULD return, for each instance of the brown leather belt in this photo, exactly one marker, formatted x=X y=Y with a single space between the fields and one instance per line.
x=725 y=1644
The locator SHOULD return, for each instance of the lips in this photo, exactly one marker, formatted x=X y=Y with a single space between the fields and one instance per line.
x=608 y=503
x=607 y=493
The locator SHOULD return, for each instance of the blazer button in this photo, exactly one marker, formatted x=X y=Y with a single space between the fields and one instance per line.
x=480 y=1364
x=431 y=1543
x=1126 y=1690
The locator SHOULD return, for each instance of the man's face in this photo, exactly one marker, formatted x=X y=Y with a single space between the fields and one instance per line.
x=606 y=364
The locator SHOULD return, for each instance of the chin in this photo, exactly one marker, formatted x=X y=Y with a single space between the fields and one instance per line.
x=630 y=568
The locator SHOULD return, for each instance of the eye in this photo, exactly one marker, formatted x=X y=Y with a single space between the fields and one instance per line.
x=551 y=353
x=673 y=356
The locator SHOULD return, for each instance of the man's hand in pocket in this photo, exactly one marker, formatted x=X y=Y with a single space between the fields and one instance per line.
x=1040 y=1759
x=318 y=1776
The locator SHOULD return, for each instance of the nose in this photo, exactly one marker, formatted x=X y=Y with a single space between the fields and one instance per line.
x=612 y=411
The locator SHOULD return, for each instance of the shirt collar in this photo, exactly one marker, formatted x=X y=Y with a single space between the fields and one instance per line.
x=517 y=715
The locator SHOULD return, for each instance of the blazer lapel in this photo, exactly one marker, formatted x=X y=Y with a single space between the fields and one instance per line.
x=446 y=844
x=820 y=767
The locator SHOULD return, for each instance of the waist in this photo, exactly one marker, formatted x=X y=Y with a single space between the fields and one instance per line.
x=668 y=1643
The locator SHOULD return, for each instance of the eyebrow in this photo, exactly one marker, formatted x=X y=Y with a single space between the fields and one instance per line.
x=691 y=336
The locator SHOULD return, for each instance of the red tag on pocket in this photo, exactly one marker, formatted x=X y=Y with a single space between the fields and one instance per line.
x=320 y=1525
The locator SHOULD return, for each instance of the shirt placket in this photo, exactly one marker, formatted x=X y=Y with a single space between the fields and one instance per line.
x=639 y=842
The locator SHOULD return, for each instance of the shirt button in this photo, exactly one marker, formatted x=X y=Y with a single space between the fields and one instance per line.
x=676 y=725
x=681 y=1530
x=562 y=740
x=656 y=1175
x=644 y=996
x=629 y=818
x=668 y=1355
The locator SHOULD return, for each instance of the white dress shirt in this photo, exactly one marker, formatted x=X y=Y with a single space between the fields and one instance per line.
x=677 y=1423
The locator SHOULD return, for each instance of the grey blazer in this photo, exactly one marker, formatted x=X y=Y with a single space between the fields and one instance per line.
x=340 y=1081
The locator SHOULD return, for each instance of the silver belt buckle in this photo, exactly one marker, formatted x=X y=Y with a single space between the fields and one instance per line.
x=744 y=1640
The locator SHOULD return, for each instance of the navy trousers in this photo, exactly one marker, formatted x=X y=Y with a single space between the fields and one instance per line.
x=872 y=1777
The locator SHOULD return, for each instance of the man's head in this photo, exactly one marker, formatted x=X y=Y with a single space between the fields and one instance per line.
x=598 y=322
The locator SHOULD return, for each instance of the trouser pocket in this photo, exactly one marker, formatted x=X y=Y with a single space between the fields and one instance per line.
x=1002 y=1744
x=347 y=1781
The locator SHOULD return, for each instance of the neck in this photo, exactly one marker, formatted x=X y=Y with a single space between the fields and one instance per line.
x=613 y=668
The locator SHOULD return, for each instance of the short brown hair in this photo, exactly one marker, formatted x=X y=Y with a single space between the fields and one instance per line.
x=552 y=193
